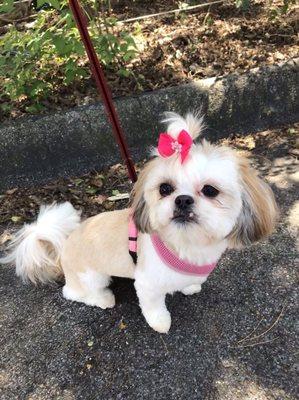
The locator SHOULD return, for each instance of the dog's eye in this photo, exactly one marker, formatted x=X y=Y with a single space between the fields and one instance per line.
x=210 y=191
x=166 y=189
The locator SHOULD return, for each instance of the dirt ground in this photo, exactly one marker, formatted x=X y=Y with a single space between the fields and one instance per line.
x=181 y=47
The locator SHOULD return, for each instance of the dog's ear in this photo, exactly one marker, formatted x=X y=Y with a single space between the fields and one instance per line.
x=259 y=210
x=138 y=203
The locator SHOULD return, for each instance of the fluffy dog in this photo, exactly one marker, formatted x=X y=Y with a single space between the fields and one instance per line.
x=190 y=203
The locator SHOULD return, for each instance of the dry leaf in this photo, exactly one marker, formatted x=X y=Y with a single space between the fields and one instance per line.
x=97 y=182
x=120 y=196
x=99 y=199
x=5 y=237
x=108 y=205
x=16 y=218
x=11 y=191
x=122 y=325
x=115 y=167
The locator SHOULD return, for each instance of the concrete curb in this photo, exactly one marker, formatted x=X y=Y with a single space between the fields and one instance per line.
x=36 y=149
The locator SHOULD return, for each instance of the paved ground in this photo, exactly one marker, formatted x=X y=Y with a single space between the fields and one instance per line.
x=55 y=349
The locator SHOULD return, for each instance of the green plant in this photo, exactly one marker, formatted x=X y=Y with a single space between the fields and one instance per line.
x=275 y=12
x=242 y=4
x=208 y=20
x=7 y=6
x=48 y=54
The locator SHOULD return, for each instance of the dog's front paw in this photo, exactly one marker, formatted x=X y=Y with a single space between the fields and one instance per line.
x=191 y=289
x=159 y=320
x=104 y=299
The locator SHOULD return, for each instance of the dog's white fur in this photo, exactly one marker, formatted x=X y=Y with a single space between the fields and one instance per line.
x=89 y=253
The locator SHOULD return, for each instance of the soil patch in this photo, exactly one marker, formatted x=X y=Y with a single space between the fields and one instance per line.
x=179 y=48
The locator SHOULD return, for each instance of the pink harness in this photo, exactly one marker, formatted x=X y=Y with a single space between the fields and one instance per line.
x=167 y=256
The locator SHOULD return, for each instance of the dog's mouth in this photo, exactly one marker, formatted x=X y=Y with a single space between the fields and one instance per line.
x=184 y=217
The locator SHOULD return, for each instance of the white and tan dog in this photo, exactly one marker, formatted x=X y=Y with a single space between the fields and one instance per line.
x=198 y=200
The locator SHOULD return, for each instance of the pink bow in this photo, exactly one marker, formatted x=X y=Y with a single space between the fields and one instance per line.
x=167 y=145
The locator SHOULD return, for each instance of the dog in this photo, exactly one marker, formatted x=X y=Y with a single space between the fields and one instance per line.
x=191 y=202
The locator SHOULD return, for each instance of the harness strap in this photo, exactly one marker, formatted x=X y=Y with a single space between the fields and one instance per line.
x=166 y=255
x=133 y=234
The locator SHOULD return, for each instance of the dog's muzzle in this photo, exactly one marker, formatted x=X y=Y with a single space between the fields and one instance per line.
x=183 y=209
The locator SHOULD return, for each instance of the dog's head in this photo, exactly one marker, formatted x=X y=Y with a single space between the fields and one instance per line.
x=213 y=195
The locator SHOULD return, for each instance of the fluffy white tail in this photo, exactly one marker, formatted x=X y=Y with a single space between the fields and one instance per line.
x=36 y=248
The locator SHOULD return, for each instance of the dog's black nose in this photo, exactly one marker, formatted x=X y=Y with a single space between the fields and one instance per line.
x=183 y=201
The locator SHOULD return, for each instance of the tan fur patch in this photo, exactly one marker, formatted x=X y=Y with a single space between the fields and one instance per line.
x=259 y=212
x=138 y=203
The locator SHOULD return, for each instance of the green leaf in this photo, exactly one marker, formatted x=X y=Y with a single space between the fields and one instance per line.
x=64 y=48
x=123 y=72
x=35 y=108
x=5 y=107
x=78 y=181
x=129 y=55
x=37 y=88
x=130 y=41
x=53 y=3
x=7 y=6
x=91 y=190
x=243 y=4
x=49 y=53
x=41 y=3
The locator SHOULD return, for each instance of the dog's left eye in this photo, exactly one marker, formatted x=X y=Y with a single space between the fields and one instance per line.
x=166 y=189
x=210 y=191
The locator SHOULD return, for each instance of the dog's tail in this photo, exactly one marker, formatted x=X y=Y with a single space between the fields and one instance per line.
x=37 y=247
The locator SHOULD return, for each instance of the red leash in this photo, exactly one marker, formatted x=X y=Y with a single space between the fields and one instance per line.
x=102 y=86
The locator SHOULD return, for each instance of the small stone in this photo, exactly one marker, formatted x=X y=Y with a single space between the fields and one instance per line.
x=279 y=56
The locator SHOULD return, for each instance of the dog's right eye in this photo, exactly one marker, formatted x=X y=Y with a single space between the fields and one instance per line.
x=166 y=189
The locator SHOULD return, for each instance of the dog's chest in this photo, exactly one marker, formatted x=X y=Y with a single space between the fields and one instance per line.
x=153 y=271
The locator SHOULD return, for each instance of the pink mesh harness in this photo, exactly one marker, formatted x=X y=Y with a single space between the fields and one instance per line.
x=167 y=256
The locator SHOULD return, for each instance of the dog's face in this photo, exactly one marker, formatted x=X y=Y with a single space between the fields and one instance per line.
x=215 y=195
x=201 y=198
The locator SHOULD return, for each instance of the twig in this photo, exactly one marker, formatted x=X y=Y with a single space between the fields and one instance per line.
x=282 y=35
x=164 y=344
x=254 y=330
x=20 y=2
x=250 y=337
x=257 y=344
x=272 y=325
x=176 y=11
x=10 y=21
x=23 y=2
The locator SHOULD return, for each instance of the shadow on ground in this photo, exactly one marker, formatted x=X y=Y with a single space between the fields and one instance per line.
x=55 y=349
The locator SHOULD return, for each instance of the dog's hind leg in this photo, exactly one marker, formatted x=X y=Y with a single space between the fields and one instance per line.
x=89 y=287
